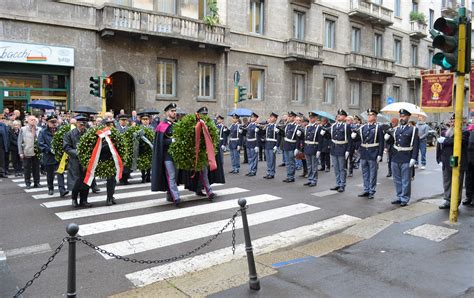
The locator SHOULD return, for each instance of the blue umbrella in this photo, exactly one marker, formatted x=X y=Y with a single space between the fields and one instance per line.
x=325 y=115
x=241 y=112
x=42 y=104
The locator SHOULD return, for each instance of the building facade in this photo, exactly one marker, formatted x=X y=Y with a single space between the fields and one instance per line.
x=291 y=54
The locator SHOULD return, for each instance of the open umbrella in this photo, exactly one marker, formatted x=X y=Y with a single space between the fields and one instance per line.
x=241 y=112
x=180 y=111
x=325 y=115
x=395 y=107
x=148 y=111
x=85 y=110
x=42 y=104
x=380 y=117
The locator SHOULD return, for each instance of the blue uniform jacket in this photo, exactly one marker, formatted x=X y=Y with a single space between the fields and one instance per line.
x=406 y=144
x=290 y=136
x=271 y=136
x=251 y=132
x=4 y=137
x=312 y=139
x=235 y=136
x=45 y=138
x=340 y=138
x=372 y=141
x=223 y=134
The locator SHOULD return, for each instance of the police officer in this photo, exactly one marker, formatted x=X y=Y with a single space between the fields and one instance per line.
x=122 y=127
x=223 y=135
x=404 y=156
x=111 y=183
x=291 y=135
x=325 y=145
x=253 y=141
x=235 y=141
x=341 y=142
x=145 y=122
x=312 y=151
x=371 y=151
x=272 y=142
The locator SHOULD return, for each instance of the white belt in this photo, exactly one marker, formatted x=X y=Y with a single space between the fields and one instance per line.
x=339 y=142
x=402 y=148
x=311 y=143
x=290 y=140
x=271 y=140
x=234 y=139
x=251 y=140
x=369 y=145
x=221 y=139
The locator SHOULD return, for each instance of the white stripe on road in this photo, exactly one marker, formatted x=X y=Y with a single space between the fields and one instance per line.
x=98 y=183
x=324 y=193
x=119 y=187
x=29 y=250
x=142 y=244
x=133 y=206
x=43 y=177
x=260 y=246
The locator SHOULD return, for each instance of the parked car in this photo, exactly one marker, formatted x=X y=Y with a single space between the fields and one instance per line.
x=432 y=137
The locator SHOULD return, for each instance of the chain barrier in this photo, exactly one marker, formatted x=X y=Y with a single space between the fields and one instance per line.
x=172 y=259
x=43 y=268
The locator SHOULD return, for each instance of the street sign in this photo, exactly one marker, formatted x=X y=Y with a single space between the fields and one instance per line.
x=236 y=78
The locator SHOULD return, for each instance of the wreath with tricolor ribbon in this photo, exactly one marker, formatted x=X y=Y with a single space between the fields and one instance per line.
x=138 y=141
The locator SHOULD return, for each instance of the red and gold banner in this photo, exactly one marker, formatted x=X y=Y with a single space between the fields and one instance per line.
x=437 y=92
x=471 y=87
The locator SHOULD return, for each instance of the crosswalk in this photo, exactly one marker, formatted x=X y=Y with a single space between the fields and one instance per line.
x=144 y=223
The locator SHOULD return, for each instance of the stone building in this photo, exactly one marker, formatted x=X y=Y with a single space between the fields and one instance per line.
x=291 y=54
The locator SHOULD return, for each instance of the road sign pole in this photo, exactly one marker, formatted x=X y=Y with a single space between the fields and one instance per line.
x=236 y=88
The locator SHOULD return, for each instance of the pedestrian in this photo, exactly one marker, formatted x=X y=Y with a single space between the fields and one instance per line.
x=312 y=149
x=122 y=127
x=404 y=155
x=27 y=139
x=272 y=142
x=235 y=142
x=291 y=135
x=341 y=143
x=145 y=122
x=252 y=145
x=223 y=136
x=15 y=156
x=4 y=146
x=111 y=181
x=423 y=130
x=325 y=146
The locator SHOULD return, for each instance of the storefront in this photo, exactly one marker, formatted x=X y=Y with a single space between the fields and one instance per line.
x=31 y=72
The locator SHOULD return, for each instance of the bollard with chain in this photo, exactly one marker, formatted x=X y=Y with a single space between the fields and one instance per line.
x=254 y=282
x=72 y=230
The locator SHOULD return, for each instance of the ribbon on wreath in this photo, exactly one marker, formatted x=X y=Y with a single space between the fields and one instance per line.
x=63 y=162
x=137 y=136
x=211 y=155
x=94 y=160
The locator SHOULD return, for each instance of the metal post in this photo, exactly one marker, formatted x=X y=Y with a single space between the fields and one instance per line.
x=254 y=282
x=72 y=230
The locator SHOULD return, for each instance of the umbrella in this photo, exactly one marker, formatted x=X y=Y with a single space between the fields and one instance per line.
x=85 y=110
x=380 y=118
x=149 y=111
x=395 y=107
x=180 y=111
x=241 y=112
x=325 y=115
x=42 y=104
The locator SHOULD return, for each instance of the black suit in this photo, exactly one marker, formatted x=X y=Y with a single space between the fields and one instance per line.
x=76 y=173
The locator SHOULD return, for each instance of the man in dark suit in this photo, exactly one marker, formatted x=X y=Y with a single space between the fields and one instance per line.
x=4 y=147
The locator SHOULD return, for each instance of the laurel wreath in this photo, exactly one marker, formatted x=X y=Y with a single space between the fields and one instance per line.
x=57 y=143
x=38 y=152
x=183 y=149
x=145 y=152
x=105 y=168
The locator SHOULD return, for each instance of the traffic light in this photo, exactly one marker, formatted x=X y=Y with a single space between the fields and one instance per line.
x=108 y=86
x=95 y=86
x=242 y=93
x=445 y=37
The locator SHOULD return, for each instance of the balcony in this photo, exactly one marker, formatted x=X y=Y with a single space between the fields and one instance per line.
x=449 y=8
x=418 y=30
x=303 y=51
x=145 y=23
x=356 y=62
x=374 y=13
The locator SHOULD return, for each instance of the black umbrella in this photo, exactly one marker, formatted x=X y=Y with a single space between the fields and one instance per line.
x=149 y=111
x=85 y=110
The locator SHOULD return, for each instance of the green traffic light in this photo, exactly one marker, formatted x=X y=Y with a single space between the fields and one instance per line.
x=242 y=93
x=446 y=61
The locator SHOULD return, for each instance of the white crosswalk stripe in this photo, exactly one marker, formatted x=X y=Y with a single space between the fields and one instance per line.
x=119 y=187
x=46 y=188
x=43 y=178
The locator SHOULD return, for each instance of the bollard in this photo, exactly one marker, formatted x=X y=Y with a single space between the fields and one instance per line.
x=72 y=230
x=254 y=283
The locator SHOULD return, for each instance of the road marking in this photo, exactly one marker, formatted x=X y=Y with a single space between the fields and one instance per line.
x=120 y=187
x=98 y=183
x=133 y=206
x=293 y=261
x=362 y=184
x=325 y=193
x=424 y=172
x=43 y=178
x=142 y=244
x=29 y=250
x=431 y=232
x=260 y=246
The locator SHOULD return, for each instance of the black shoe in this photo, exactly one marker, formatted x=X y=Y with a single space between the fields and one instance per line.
x=364 y=194
x=232 y=172
x=74 y=203
x=50 y=192
x=371 y=196
x=200 y=193
x=248 y=174
x=403 y=204
x=212 y=196
x=334 y=188
x=444 y=206
x=265 y=177
x=96 y=190
x=251 y=174
x=148 y=180
x=85 y=204
x=63 y=194
x=168 y=197
x=322 y=169
x=143 y=180
x=37 y=185
x=270 y=177
x=349 y=175
x=282 y=165
x=304 y=175
x=3 y=176
x=28 y=186
x=312 y=185
x=113 y=201
x=177 y=202
x=289 y=180
x=396 y=202
x=389 y=175
x=109 y=202
x=467 y=202
x=341 y=189
x=307 y=184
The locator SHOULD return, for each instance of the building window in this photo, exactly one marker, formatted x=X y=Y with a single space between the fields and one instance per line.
x=378 y=45
x=329 y=89
x=378 y=2
x=256 y=16
x=414 y=55
x=167 y=6
x=355 y=40
x=298 y=88
x=298 y=25
x=397 y=9
x=166 y=79
x=414 y=6
x=256 y=83
x=431 y=19
x=430 y=59
x=397 y=51
x=355 y=93
x=330 y=34
x=196 y=9
x=206 y=80
x=396 y=93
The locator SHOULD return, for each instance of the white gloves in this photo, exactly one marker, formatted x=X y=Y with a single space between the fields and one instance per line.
x=353 y=135
x=322 y=132
x=379 y=158
x=256 y=149
x=240 y=131
x=238 y=148
x=275 y=149
x=296 y=151
x=277 y=130
x=441 y=140
x=256 y=129
x=298 y=133
x=52 y=150
x=412 y=162
x=347 y=154
x=318 y=154
x=225 y=129
x=386 y=137
x=222 y=147
x=173 y=140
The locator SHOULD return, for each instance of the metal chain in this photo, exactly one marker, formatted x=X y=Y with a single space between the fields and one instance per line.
x=172 y=259
x=43 y=268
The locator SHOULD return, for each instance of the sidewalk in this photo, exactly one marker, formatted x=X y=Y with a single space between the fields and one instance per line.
x=373 y=258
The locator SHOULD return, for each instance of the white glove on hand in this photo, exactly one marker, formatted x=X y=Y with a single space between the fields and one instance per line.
x=385 y=150
x=256 y=129
x=52 y=151
x=296 y=151
x=275 y=149
x=238 y=148
x=277 y=130
x=318 y=154
x=441 y=140
x=225 y=129
x=222 y=147
x=323 y=132
x=240 y=130
x=353 y=135
x=379 y=158
x=298 y=133
x=412 y=162
x=347 y=154
x=256 y=149
x=173 y=140
x=386 y=137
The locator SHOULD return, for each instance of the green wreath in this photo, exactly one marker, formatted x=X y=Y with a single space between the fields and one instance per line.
x=106 y=166
x=183 y=149
x=145 y=152
x=38 y=152
x=57 y=143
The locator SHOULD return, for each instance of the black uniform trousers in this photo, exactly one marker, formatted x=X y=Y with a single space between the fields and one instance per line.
x=325 y=161
x=146 y=175
x=50 y=172
x=3 y=167
x=80 y=189
x=111 y=183
x=31 y=164
x=16 y=160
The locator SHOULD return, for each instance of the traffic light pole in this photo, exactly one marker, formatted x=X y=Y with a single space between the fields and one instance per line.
x=103 y=97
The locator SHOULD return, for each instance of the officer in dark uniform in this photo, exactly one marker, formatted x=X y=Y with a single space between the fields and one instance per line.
x=404 y=156
x=223 y=136
x=122 y=127
x=388 y=137
x=272 y=142
x=312 y=151
x=251 y=132
x=235 y=142
x=370 y=136
x=145 y=122
x=291 y=135
x=341 y=142
x=325 y=145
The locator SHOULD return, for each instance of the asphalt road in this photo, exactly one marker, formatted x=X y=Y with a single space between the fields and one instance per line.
x=32 y=225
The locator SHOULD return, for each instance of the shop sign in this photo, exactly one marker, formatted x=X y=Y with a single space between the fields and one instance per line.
x=35 y=54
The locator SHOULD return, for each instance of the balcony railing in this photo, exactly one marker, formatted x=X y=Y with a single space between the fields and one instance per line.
x=418 y=30
x=449 y=7
x=161 y=24
x=374 y=13
x=304 y=50
x=356 y=61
